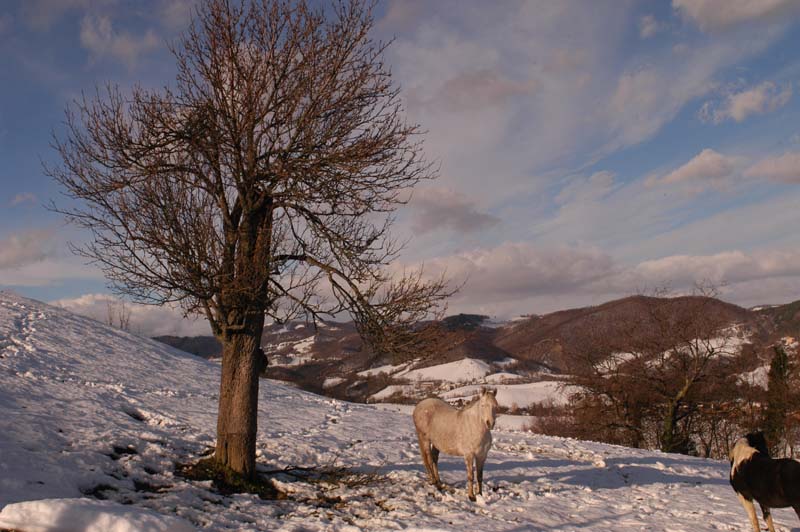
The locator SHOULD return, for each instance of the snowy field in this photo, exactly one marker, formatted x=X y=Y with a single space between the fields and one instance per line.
x=87 y=411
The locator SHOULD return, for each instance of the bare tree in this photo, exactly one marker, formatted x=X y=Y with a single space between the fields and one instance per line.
x=650 y=385
x=118 y=315
x=686 y=358
x=262 y=183
x=110 y=313
x=124 y=316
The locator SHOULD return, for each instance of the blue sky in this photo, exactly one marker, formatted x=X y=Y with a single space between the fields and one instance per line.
x=588 y=149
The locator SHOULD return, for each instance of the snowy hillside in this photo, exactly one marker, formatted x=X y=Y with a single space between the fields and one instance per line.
x=528 y=359
x=90 y=412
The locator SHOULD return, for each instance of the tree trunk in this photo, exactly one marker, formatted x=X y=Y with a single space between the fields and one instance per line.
x=668 y=443
x=238 y=400
x=668 y=431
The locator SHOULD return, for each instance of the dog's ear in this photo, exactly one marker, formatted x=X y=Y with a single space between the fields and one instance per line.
x=757 y=441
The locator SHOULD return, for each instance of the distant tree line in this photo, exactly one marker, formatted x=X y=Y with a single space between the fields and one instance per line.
x=674 y=381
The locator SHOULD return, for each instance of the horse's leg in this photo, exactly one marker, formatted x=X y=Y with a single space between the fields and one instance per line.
x=768 y=517
x=469 y=460
x=751 y=512
x=425 y=451
x=479 y=461
x=435 y=465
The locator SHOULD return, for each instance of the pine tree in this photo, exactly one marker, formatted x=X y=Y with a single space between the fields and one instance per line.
x=777 y=407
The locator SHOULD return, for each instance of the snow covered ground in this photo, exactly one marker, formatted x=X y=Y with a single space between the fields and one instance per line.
x=758 y=377
x=520 y=395
x=464 y=370
x=502 y=377
x=299 y=354
x=388 y=369
x=87 y=411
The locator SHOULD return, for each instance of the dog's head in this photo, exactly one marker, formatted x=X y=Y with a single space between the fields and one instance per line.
x=746 y=447
x=757 y=441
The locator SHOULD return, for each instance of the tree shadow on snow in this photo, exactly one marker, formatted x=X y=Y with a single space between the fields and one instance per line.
x=617 y=473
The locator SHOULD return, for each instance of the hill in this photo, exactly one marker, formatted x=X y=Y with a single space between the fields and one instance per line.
x=201 y=346
x=557 y=339
x=784 y=320
x=330 y=359
x=93 y=421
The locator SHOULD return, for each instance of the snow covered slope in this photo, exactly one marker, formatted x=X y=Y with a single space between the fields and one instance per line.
x=466 y=369
x=519 y=395
x=89 y=411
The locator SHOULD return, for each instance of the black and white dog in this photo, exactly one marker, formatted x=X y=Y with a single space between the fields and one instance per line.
x=755 y=475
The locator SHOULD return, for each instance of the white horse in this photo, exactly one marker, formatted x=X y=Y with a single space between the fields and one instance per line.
x=465 y=432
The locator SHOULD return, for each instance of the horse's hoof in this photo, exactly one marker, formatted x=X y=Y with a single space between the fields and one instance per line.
x=473 y=498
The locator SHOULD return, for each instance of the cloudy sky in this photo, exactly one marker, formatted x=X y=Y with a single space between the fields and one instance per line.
x=588 y=149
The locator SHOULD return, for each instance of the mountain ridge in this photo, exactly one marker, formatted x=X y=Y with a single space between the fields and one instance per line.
x=533 y=346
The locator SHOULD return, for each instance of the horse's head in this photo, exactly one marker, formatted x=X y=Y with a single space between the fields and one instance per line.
x=487 y=406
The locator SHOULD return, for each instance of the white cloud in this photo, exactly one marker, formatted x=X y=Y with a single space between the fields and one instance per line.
x=518 y=270
x=144 y=319
x=515 y=99
x=36 y=257
x=785 y=168
x=717 y=224
x=24 y=197
x=176 y=14
x=776 y=290
x=584 y=191
x=475 y=89
x=648 y=26
x=50 y=271
x=443 y=208
x=509 y=94
x=717 y=14
x=99 y=38
x=645 y=99
x=726 y=267
x=401 y=15
x=599 y=211
x=708 y=168
x=517 y=277
x=26 y=248
x=763 y=98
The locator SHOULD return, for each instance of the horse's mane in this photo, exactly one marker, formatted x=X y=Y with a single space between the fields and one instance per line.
x=472 y=401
